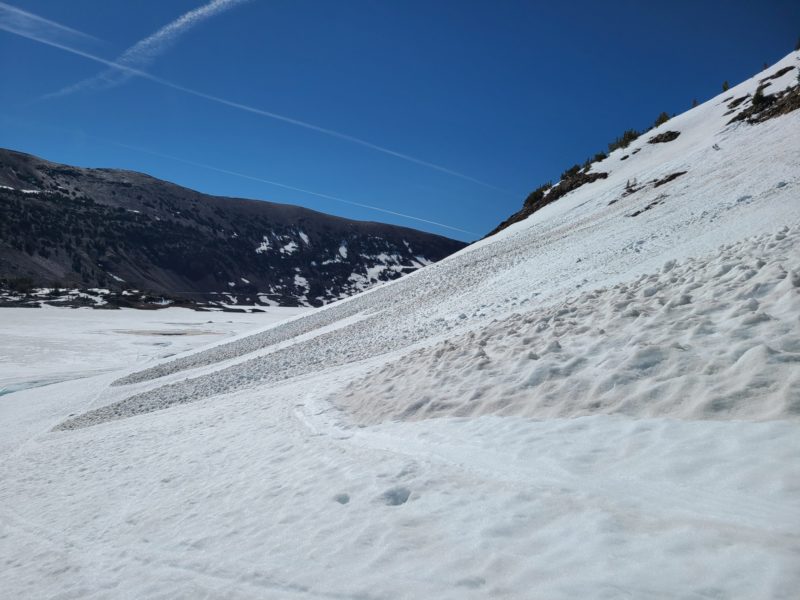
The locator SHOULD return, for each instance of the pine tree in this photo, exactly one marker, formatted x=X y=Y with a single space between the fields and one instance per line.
x=695 y=103
x=758 y=98
x=725 y=86
x=661 y=119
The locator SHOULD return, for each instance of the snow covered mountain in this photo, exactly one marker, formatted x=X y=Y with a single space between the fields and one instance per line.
x=113 y=229
x=600 y=400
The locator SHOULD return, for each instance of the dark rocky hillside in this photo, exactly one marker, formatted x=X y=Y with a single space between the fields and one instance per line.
x=105 y=228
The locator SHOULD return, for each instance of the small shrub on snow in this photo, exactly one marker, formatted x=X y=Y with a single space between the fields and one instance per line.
x=624 y=140
x=538 y=194
x=759 y=100
x=571 y=172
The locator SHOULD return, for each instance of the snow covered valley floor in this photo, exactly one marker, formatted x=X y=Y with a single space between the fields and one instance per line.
x=251 y=502
x=45 y=346
x=601 y=401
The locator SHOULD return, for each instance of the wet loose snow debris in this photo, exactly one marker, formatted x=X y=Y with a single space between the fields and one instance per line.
x=733 y=314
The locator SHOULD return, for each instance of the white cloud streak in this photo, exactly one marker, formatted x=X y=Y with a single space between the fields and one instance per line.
x=145 y=51
x=43 y=38
x=15 y=20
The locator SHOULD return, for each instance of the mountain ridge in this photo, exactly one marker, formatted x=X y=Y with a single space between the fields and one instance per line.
x=105 y=227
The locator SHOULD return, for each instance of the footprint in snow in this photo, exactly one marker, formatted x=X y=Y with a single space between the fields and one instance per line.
x=471 y=582
x=395 y=496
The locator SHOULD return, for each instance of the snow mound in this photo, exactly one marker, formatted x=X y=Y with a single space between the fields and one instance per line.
x=714 y=338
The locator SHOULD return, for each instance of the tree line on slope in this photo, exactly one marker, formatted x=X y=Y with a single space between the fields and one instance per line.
x=630 y=135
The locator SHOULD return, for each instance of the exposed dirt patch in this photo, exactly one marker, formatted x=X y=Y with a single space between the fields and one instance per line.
x=662 y=138
x=659 y=200
x=777 y=74
x=770 y=106
x=735 y=104
x=631 y=187
x=668 y=178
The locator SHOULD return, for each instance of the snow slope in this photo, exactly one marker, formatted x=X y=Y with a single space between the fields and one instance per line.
x=717 y=337
x=584 y=241
x=299 y=462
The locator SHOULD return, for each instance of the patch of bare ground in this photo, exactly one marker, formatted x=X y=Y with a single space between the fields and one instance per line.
x=764 y=107
x=662 y=138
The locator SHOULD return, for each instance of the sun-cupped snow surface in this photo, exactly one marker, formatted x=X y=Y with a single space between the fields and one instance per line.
x=715 y=337
x=294 y=462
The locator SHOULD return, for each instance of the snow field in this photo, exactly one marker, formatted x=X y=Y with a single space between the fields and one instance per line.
x=87 y=339
x=262 y=478
x=85 y=349
x=277 y=496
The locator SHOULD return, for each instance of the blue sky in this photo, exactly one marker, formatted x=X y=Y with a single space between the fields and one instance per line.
x=485 y=100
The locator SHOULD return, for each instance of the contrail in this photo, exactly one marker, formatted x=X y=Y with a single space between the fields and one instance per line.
x=38 y=37
x=19 y=21
x=145 y=51
x=289 y=187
